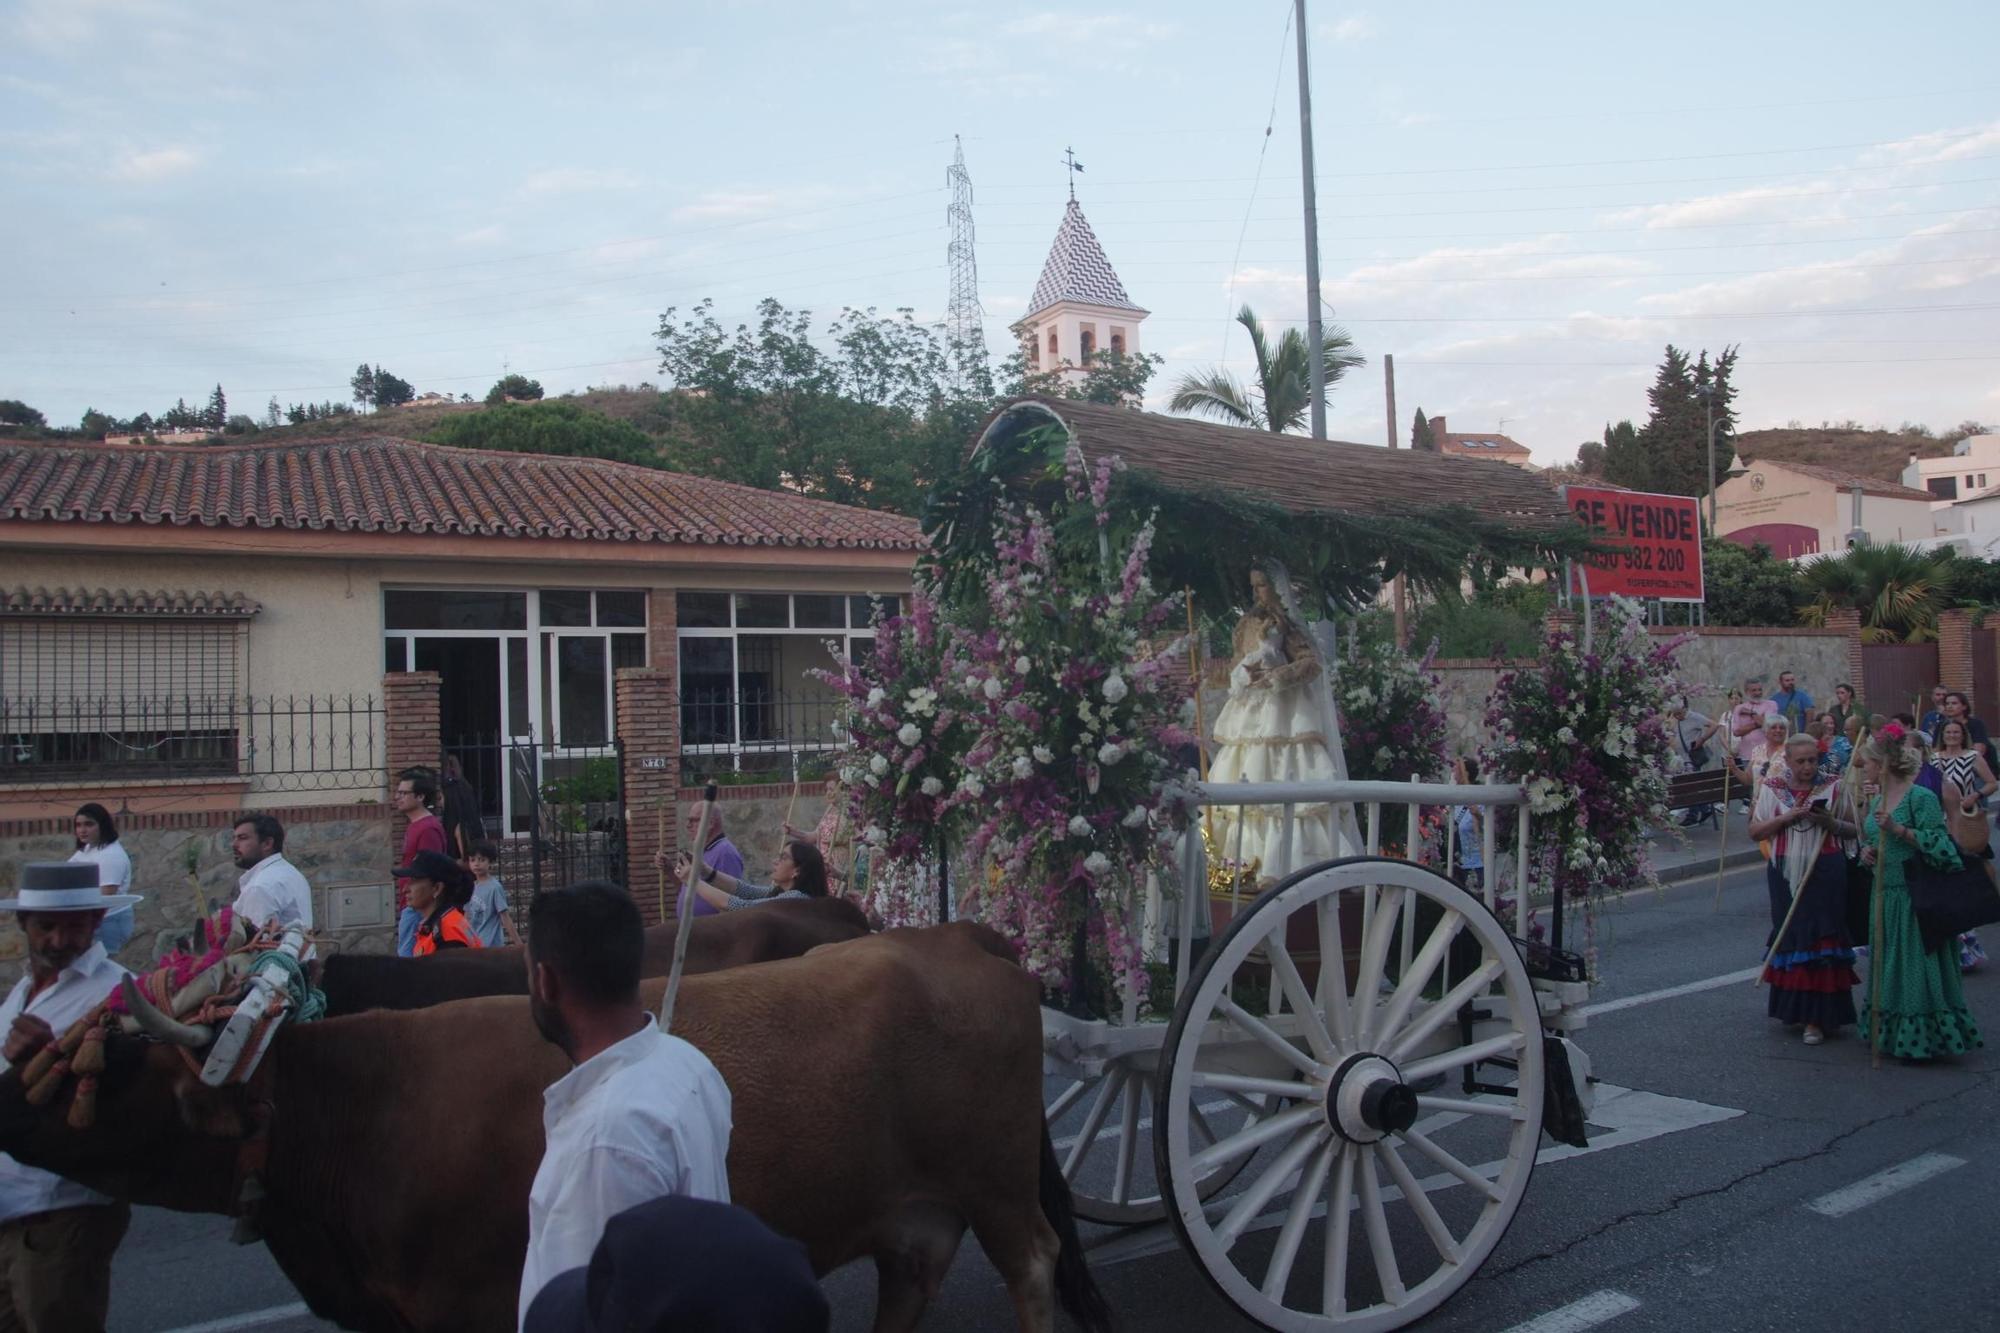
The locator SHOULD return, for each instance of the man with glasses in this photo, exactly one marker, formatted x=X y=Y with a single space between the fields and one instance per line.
x=1934 y=719
x=413 y=794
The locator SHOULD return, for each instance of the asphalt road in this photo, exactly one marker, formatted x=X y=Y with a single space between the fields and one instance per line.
x=1705 y=1224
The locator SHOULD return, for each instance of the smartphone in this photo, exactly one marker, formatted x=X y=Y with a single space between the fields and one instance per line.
x=1820 y=804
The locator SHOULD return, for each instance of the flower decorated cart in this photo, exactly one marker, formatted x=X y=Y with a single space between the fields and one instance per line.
x=1333 y=1103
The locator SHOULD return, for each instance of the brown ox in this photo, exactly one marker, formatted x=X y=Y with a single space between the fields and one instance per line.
x=786 y=929
x=887 y=1094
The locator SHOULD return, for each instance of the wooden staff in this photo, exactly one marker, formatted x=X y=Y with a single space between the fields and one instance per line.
x=686 y=912
x=1798 y=887
x=660 y=840
x=1194 y=680
x=1722 y=835
x=791 y=808
x=1875 y=946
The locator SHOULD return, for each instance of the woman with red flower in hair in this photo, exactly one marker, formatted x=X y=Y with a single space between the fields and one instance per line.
x=1811 y=966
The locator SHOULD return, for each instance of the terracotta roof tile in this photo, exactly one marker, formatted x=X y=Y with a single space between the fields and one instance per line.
x=104 y=602
x=382 y=484
x=1299 y=473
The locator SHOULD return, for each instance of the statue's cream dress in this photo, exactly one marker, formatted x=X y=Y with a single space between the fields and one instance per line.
x=1272 y=730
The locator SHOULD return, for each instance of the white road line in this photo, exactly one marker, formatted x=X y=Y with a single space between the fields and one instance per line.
x=1884 y=1183
x=1670 y=993
x=276 y=1314
x=1592 y=1310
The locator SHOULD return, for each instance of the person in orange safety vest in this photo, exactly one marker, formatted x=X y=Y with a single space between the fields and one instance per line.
x=439 y=888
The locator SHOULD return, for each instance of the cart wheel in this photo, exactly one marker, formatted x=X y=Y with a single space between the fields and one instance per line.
x=1378 y=1137
x=1116 y=1133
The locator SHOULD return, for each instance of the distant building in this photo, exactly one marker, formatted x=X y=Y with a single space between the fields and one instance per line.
x=1802 y=509
x=1493 y=447
x=1079 y=306
x=1972 y=466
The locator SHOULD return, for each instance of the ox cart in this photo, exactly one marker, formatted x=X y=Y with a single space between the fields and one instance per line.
x=1363 y=1047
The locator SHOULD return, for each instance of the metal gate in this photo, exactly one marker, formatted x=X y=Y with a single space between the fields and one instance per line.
x=556 y=812
x=1897 y=677
x=1986 y=675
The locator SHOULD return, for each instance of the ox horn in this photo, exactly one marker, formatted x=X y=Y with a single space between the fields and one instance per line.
x=156 y=1024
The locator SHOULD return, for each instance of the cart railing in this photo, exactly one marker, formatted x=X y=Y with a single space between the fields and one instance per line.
x=1347 y=798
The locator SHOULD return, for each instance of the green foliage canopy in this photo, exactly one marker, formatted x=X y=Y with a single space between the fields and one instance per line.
x=547 y=428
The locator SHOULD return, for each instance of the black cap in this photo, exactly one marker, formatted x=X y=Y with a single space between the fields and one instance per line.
x=430 y=865
x=686 y=1265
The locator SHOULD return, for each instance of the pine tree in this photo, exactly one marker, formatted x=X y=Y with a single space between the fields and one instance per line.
x=1420 y=433
x=1627 y=459
x=363 y=384
x=1676 y=430
x=273 y=413
x=217 y=414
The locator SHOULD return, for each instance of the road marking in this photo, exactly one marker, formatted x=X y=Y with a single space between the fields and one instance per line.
x=1592 y=1310
x=1670 y=993
x=1884 y=1183
x=276 y=1314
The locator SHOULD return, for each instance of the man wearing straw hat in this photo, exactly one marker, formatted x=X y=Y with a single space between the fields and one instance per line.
x=56 y=1237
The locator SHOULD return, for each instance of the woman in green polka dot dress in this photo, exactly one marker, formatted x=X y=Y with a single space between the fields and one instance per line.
x=1923 y=1013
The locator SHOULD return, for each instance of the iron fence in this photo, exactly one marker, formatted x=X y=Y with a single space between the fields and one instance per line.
x=276 y=743
x=557 y=813
x=758 y=735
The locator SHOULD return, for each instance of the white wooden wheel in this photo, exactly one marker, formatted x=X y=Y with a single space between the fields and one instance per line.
x=1375 y=1186
x=1107 y=1156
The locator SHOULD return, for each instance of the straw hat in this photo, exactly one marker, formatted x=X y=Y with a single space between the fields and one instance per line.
x=63 y=886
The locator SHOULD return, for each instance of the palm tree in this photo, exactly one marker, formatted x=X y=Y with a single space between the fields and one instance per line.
x=1284 y=387
x=1898 y=590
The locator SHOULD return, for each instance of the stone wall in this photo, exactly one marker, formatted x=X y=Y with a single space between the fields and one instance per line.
x=754 y=818
x=340 y=852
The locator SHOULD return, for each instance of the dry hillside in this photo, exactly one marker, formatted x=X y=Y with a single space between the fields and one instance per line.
x=1881 y=454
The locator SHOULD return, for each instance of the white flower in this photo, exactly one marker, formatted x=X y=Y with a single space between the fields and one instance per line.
x=909 y=733
x=1114 y=688
x=992 y=687
x=932 y=787
x=1110 y=753
x=971 y=785
x=878 y=764
x=1044 y=755
x=1135 y=817
x=1097 y=863
x=1079 y=827
x=874 y=836
x=875 y=697
x=1566 y=736
x=1024 y=767
x=1021 y=664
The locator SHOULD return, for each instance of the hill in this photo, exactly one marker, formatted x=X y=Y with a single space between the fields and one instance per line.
x=1881 y=454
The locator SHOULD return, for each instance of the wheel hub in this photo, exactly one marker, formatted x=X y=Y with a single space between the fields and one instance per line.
x=1367 y=1100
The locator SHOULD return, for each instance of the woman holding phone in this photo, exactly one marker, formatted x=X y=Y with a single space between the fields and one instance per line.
x=1811 y=968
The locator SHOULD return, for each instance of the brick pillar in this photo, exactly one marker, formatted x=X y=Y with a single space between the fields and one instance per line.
x=663 y=650
x=649 y=732
x=1955 y=650
x=410 y=703
x=1562 y=618
x=1848 y=619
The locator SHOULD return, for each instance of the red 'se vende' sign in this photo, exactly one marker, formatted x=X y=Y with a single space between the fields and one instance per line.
x=1658 y=541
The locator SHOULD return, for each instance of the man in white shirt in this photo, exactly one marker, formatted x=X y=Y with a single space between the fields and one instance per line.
x=271 y=887
x=643 y=1114
x=56 y=1237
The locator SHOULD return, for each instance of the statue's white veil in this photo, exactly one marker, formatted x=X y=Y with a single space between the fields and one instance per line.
x=1325 y=640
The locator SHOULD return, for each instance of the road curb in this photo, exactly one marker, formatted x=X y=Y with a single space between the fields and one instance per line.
x=1686 y=870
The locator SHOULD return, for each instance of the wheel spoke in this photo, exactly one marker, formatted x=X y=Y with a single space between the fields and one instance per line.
x=1268 y=1182
x=1269 y=1038
x=1093 y=1121
x=1333 y=973
x=1339 y=1218
x=1294 y=987
x=1509 y=1110
x=1252 y=1137
x=1070 y=1097
x=1374 y=956
x=1380 y=1247
x=1429 y=1148
x=1202 y=1078
x=1128 y=1138
x=1461 y=1056
x=1413 y=1194
x=1303 y=1198
x=1438 y=1014
x=1418 y=973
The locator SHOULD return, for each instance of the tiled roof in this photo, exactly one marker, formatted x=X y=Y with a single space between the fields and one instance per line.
x=1290 y=470
x=1846 y=481
x=381 y=484
x=1474 y=445
x=147 y=605
x=1077 y=270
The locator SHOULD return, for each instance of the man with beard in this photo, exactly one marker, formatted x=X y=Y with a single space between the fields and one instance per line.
x=56 y=1237
x=271 y=889
x=643 y=1114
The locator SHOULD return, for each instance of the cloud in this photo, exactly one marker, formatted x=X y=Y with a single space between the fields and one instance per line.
x=1940 y=146
x=1353 y=28
x=579 y=180
x=491 y=234
x=154 y=165
x=1757 y=203
x=734 y=205
x=1088 y=29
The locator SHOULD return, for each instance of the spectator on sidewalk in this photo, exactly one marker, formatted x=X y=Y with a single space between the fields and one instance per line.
x=414 y=797
x=1840 y=750
x=458 y=808
x=1844 y=707
x=1746 y=720
x=488 y=913
x=271 y=888
x=439 y=890
x=1958 y=708
x=1936 y=713
x=1696 y=735
x=1792 y=701
x=718 y=853
x=97 y=840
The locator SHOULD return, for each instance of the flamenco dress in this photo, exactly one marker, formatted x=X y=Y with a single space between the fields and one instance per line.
x=1811 y=977
x=1923 y=1010
x=1272 y=730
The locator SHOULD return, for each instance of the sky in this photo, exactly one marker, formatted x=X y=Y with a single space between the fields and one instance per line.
x=1522 y=203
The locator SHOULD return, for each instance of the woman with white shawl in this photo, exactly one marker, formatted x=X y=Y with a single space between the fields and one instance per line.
x=1811 y=966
